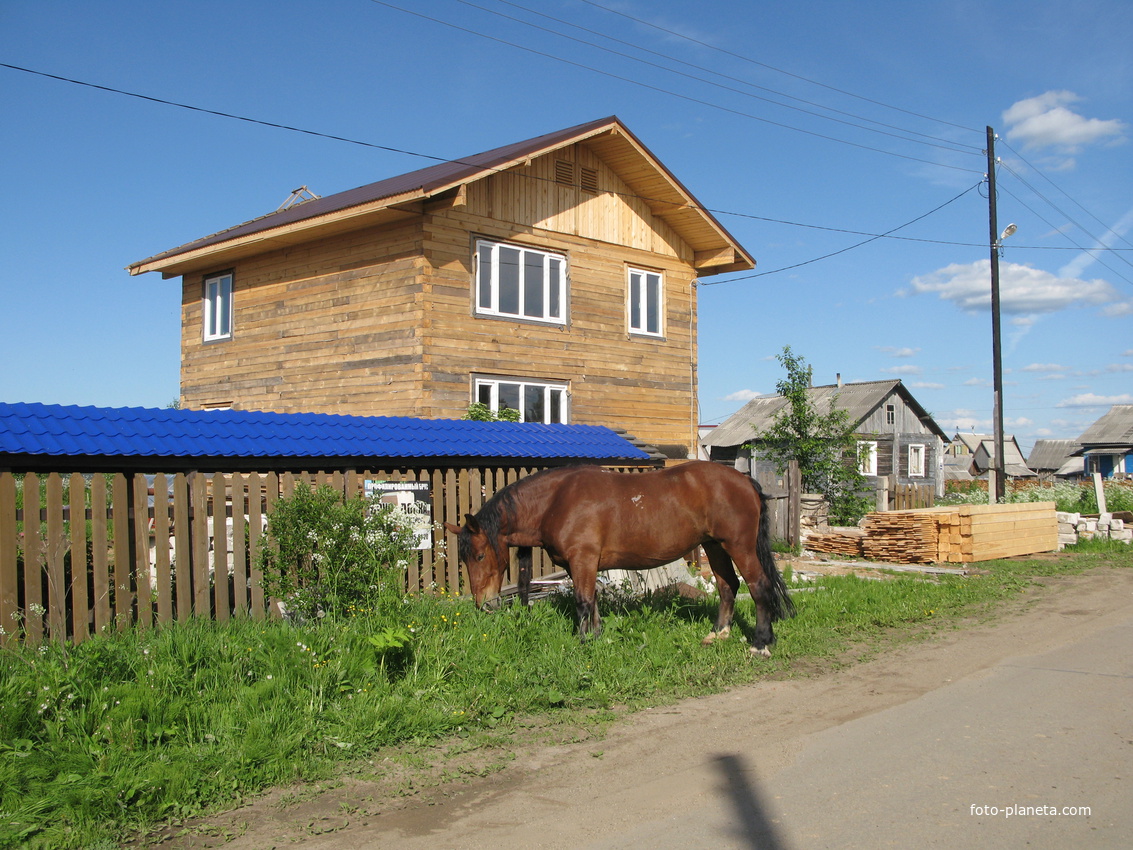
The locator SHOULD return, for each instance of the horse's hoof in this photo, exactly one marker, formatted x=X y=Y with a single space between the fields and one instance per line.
x=709 y=639
x=762 y=651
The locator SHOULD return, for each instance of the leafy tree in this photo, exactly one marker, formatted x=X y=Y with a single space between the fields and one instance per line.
x=822 y=442
x=480 y=412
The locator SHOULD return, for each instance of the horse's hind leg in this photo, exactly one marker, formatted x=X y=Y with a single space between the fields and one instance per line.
x=727 y=584
x=760 y=586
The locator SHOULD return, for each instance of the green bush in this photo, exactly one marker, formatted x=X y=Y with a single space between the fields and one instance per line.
x=1067 y=496
x=328 y=557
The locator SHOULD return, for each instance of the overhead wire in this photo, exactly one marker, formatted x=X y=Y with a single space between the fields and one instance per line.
x=901 y=133
x=662 y=90
x=1039 y=172
x=848 y=247
x=748 y=59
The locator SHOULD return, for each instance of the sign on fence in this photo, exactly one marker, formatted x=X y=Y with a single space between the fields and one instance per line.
x=414 y=499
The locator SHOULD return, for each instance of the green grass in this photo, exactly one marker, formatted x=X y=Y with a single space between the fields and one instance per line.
x=130 y=730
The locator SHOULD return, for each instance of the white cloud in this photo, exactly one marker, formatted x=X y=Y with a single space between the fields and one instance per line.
x=1095 y=400
x=742 y=395
x=1043 y=367
x=893 y=351
x=1024 y=291
x=907 y=369
x=1046 y=121
x=925 y=385
x=1119 y=367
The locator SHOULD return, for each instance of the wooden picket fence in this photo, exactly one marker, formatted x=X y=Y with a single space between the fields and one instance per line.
x=148 y=549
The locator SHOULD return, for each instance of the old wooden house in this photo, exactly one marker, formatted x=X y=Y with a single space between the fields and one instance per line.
x=898 y=441
x=555 y=276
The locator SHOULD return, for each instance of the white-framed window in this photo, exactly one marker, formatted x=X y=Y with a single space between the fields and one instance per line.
x=521 y=283
x=218 y=307
x=890 y=414
x=645 y=302
x=916 y=460
x=536 y=401
x=867 y=457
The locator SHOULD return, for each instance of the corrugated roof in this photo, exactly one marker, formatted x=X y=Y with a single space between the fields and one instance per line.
x=41 y=430
x=1051 y=454
x=1115 y=428
x=859 y=400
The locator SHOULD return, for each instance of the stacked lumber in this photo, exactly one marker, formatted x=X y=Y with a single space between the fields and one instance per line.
x=846 y=542
x=901 y=537
x=983 y=532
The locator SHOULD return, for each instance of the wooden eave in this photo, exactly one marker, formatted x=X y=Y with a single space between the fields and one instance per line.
x=714 y=249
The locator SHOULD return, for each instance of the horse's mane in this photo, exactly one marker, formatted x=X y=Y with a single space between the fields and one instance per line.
x=498 y=510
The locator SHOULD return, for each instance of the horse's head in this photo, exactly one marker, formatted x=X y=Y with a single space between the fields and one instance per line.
x=486 y=557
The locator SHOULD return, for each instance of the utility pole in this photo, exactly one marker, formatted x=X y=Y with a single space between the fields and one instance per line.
x=996 y=348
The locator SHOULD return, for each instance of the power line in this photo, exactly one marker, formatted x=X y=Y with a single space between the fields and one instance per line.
x=778 y=70
x=1059 y=188
x=847 y=248
x=665 y=91
x=440 y=159
x=901 y=133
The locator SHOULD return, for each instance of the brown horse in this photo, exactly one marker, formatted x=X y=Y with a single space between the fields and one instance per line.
x=588 y=519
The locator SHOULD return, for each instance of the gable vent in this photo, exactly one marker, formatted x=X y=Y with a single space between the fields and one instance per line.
x=588 y=180
x=564 y=172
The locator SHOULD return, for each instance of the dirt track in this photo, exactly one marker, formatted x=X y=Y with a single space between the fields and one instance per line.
x=734 y=770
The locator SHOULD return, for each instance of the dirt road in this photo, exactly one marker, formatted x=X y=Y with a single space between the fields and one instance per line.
x=912 y=749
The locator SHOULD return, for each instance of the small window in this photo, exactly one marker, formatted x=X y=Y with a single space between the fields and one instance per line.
x=218 y=307
x=867 y=457
x=645 y=302
x=521 y=283
x=535 y=401
x=890 y=414
x=916 y=461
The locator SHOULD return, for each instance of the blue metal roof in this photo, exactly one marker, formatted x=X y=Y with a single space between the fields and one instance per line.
x=43 y=430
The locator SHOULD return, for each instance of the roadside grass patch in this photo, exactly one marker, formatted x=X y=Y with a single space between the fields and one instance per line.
x=133 y=730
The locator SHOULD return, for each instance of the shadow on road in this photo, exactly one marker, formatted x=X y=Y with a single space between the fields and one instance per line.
x=752 y=826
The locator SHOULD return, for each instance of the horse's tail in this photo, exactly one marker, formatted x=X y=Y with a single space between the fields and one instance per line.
x=778 y=598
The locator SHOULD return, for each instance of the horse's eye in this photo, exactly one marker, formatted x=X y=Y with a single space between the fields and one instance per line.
x=481 y=556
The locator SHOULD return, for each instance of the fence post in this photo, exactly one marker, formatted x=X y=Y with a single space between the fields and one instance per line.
x=8 y=571
x=794 y=504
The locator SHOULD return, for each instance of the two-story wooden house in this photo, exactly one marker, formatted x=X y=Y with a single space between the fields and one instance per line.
x=555 y=276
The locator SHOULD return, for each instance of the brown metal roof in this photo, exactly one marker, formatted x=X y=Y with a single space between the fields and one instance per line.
x=618 y=147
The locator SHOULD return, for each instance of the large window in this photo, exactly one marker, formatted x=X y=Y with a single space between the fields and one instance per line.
x=536 y=402
x=520 y=283
x=645 y=302
x=218 y=307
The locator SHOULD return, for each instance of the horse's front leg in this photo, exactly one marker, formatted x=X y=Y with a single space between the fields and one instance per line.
x=524 y=555
x=585 y=580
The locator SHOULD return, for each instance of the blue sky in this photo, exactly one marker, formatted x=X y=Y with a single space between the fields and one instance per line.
x=809 y=128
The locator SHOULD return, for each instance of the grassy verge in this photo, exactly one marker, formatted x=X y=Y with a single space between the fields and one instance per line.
x=129 y=730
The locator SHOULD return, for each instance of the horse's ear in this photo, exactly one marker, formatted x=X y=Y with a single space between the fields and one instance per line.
x=452 y=529
x=471 y=524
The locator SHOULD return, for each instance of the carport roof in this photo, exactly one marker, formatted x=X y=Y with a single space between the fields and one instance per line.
x=32 y=435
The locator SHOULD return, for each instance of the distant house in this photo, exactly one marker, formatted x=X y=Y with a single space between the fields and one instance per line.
x=1107 y=445
x=555 y=276
x=900 y=441
x=1055 y=459
x=974 y=454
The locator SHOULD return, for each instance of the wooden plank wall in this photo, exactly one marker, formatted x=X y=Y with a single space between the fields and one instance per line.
x=147 y=554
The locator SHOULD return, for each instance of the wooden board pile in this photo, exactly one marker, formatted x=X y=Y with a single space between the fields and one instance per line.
x=901 y=537
x=845 y=542
x=959 y=534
